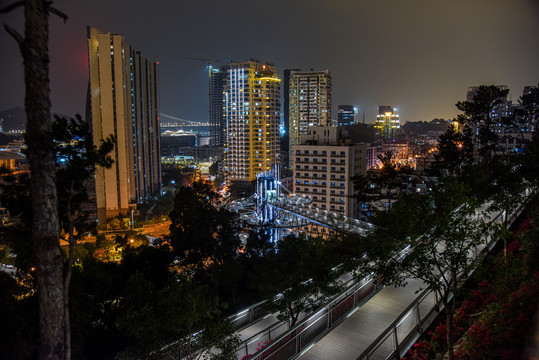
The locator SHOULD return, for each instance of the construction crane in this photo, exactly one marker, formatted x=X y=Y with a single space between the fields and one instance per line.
x=209 y=61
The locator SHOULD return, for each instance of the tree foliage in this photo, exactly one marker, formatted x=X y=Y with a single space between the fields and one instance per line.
x=477 y=116
x=19 y=315
x=427 y=237
x=201 y=232
x=383 y=183
x=179 y=319
x=455 y=150
x=295 y=276
x=76 y=158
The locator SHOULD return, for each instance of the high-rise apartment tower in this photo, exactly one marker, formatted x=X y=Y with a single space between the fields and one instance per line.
x=309 y=102
x=124 y=102
x=346 y=115
x=285 y=137
x=252 y=104
x=387 y=122
x=217 y=105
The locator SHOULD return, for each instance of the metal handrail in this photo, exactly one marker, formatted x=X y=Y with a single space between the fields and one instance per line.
x=295 y=333
x=324 y=313
x=388 y=331
x=391 y=329
x=271 y=328
x=249 y=311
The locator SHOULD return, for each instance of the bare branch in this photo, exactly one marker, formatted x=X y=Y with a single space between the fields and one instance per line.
x=10 y=7
x=58 y=13
x=18 y=37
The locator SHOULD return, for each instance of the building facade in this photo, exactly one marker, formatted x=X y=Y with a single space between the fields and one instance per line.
x=217 y=78
x=123 y=102
x=346 y=115
x=324 y=163
x=532 y=113
x=285 y=121
x=387 y=122
x=309 y=105
x=252 y=104
x=285 y=141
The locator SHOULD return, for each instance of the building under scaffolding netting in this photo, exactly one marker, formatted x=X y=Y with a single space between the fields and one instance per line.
x=274 y=208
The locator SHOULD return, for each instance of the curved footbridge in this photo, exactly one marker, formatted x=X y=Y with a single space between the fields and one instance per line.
x=274 y=207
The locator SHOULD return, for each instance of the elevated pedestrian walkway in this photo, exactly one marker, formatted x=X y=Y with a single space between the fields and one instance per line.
x=381 y=325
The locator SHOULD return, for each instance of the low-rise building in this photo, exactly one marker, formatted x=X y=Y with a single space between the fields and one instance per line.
x=324 y=164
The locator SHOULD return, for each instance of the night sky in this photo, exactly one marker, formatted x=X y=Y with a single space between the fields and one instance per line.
x=417 y=55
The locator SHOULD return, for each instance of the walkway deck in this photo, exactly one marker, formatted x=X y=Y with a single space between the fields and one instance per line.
x=366 y=327
x=350 y=338
x=269 y=328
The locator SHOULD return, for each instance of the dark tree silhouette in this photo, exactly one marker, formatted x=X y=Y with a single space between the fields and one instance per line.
x=454 y=151
x=477 y=115
x=201 y=232
x=41 y=155
x=76 y=158
x=300 y=272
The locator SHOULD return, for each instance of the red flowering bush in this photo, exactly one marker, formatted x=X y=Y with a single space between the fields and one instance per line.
x=259 y=346
x=494 y=319
x=502 y=327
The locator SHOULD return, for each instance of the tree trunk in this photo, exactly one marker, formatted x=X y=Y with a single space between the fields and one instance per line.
x=67 y=280
x=505 y=236
x=293 y=315
x=189 y=346
x=449 y=316
x=41 y=157
x=450 y=309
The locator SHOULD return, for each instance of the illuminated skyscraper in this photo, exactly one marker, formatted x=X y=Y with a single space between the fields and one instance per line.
x=124 y=102
x=346 y=115
x=309 y=102
x=217 y=104
x=285 y=140
x=387 y=122
x=252 y=95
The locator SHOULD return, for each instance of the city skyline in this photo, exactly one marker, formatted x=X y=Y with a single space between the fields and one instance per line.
x=419 y=56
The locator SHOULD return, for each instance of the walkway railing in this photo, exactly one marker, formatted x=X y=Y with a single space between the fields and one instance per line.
x=249 y=315
x=397 y=338
x=273 y=331
x=293 y=341
x=324 y=218
x=406 y=329
x=258 y=311
x=392 y=343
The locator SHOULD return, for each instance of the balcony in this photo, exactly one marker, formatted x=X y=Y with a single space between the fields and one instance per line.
x=303 y=161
